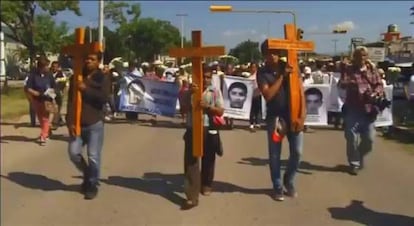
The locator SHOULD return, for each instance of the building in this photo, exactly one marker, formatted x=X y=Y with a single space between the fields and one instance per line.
x=398 y=48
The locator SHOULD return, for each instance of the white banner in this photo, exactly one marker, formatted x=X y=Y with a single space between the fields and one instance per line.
x=337 y=96
x=215 y=80
x=385 y=117
x=376 y=54
x=149 y=97
x=317 y=99
x=237 y=95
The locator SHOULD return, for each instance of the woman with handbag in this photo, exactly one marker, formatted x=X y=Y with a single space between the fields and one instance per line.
x=39 y=86
x=212 y=104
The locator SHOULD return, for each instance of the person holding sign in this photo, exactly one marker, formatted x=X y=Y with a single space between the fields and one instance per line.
x=272 y=80
x=363 y=86
x=95 y=89
x=212 y=103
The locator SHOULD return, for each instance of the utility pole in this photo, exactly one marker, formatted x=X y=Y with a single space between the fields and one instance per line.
x=182 y=15
x=101 y=23
x=335 y=41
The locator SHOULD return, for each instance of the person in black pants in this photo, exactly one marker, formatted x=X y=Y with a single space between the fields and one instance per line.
x=256 y=108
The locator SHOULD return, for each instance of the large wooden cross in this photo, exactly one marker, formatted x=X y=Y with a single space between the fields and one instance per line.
x=197 y=52
x=292 y=45
x=78 y=52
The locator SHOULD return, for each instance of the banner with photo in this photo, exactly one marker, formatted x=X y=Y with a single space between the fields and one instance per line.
x=237 y=95
x=215 y=80
x=336 y=97
x=149 y=97
x=385 y=117
x=317 y=99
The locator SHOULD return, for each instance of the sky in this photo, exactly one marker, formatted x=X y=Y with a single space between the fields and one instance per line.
x=367 y=19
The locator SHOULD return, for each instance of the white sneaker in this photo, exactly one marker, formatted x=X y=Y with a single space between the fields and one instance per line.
x=257 y=126
x=251 y=127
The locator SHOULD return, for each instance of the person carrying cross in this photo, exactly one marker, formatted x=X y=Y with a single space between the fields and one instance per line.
x=273 y=82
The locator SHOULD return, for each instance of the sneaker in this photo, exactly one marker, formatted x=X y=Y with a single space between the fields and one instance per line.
x=251 y=127
x=354 y=170
x=91 y=192
x=206 y=191
x=188 y=204
x=42 y=141
x=258 y=126
x=291 y=192
x=278 y=196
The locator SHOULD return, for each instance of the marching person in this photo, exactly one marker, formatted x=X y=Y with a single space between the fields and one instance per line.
x=212 y=105
x=94 y=91
x=362 y=83
x=29 y=97
x=60 y=80
x=39 y=85
x=273 y=83
x=256 y=108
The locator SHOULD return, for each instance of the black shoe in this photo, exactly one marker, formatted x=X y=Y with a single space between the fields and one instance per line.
x=84 y=185
x=187 y=205
x=91 y=192
x=354 y=170
x=278 y=195
x=291 y=192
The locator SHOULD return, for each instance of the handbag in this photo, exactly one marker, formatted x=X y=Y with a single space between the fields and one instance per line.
x=50 y=106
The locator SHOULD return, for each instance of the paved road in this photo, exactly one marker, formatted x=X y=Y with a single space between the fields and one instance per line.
x=141 y=182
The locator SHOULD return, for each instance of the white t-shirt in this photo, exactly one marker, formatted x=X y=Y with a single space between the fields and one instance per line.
x=308 y=81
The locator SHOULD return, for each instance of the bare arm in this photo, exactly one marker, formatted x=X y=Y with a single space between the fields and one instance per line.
x=270 y=91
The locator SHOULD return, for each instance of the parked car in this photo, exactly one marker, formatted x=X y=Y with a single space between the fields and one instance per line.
x=16 y=73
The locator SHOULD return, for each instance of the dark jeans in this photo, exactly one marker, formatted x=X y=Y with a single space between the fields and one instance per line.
x=193 y=178
x=57 y=117
x=256 y=110
x=92 y=136
x=32 y=113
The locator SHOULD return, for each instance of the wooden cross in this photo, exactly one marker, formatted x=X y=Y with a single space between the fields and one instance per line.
x=197 y=52
x=78 y=52
x=292 y=45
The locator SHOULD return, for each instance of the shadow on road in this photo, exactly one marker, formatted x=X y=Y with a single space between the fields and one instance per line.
x=39 y=182
x=401 y=136
x=163 y=124
x=17 y=125
x=357 y=212
x=253 y=161
x=18 y=138
x=169 y=185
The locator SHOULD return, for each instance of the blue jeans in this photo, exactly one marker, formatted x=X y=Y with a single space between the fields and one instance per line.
x=275 y=149
x=359 y=135
x=91 y=136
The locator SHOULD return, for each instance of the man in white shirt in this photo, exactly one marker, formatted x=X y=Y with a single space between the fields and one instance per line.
x=307 y=78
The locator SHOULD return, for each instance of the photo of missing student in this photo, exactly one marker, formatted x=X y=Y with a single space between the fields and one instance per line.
x=317 y=98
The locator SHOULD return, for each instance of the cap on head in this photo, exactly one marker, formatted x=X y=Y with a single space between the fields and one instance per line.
x=307 y=70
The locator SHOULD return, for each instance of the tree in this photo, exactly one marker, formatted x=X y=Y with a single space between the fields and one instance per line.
x=246 y=51
x=19 y=17
x=49 y=35
x=151 y=37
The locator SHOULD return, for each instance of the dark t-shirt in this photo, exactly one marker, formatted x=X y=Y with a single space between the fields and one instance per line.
x=40 y=83
x=278 y=106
